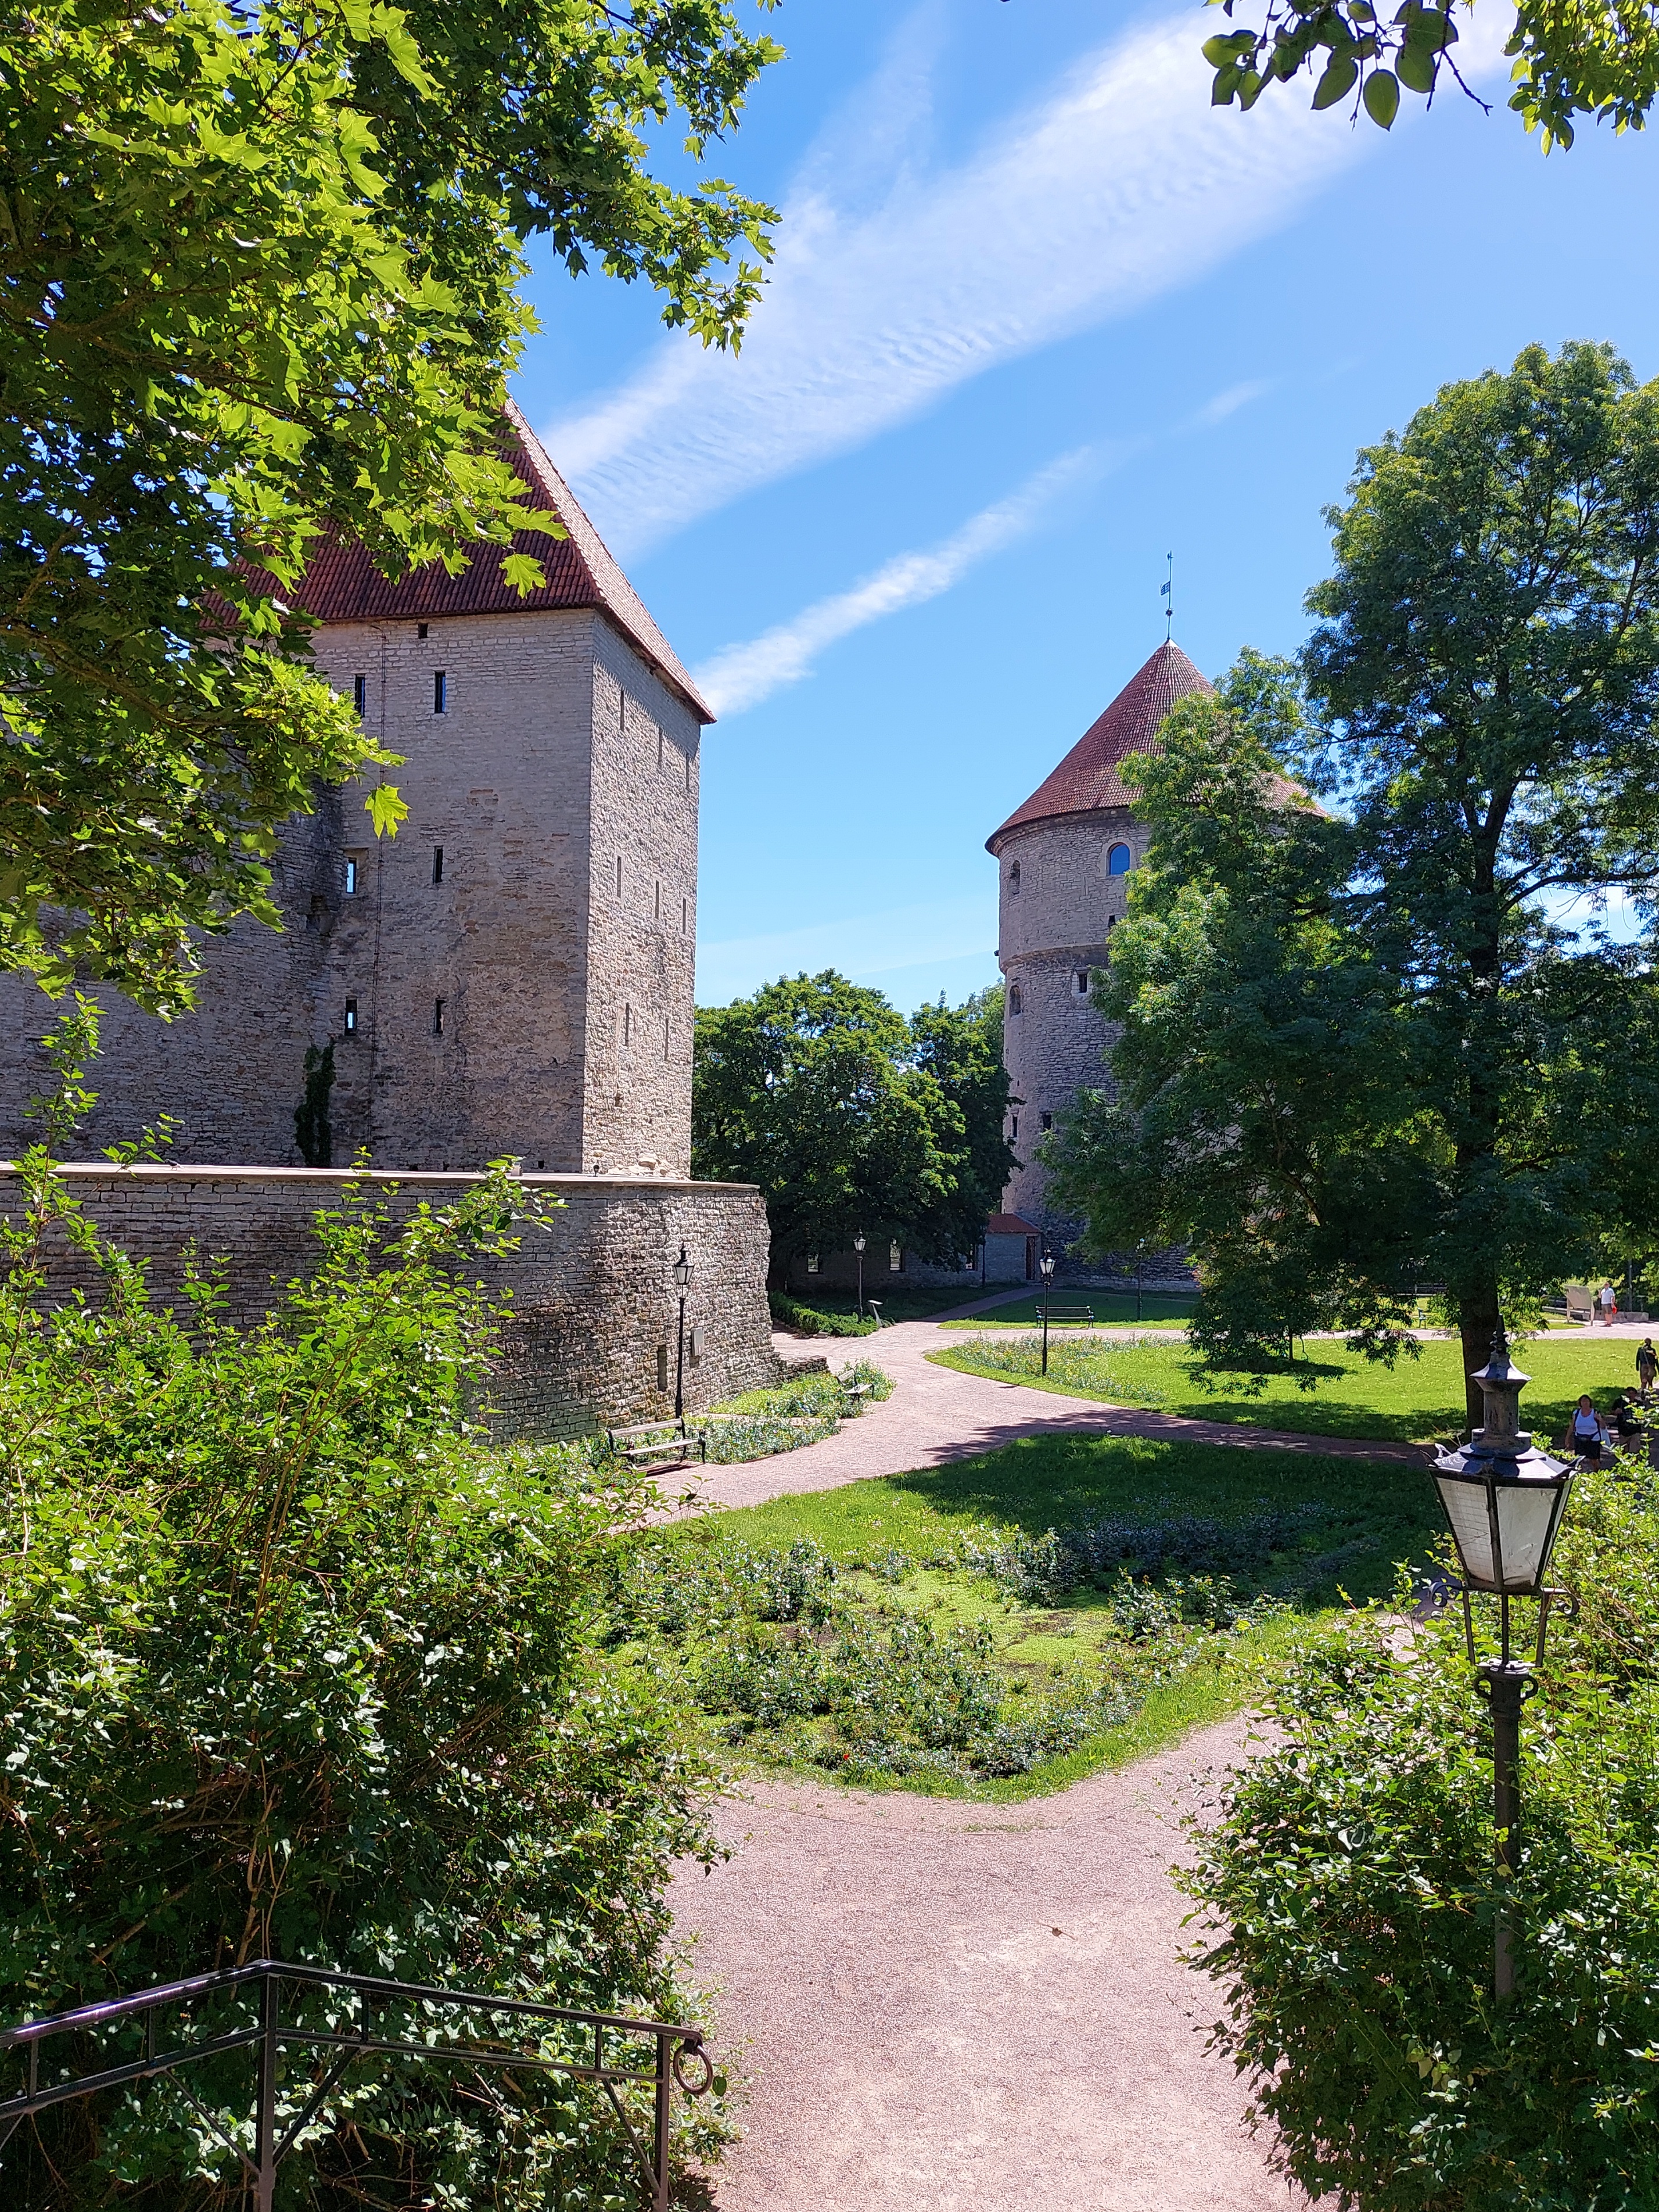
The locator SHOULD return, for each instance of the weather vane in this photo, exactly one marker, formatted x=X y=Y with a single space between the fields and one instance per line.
x=1165 y=592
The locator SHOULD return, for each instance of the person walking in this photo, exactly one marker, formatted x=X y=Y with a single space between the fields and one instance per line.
x=1647 y=1365
x=1608 y=1299
x=1588 y=1433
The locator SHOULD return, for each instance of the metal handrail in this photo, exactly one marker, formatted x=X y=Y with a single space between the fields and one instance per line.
x=675 y=2041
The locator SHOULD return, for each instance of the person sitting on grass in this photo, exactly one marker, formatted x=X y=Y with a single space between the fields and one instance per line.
x=1647 y=1365
x=1587 y=1433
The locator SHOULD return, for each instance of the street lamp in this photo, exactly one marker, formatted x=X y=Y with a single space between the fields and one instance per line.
x=681 y=1280
x=1504 y=1501
x=1046 y=1264
x=858 y=1246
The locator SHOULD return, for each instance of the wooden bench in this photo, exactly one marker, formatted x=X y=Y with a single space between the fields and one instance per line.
x=657 y=1444
x=1052 y=1314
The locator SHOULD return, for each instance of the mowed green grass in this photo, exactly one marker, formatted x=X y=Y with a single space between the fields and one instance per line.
x=1376 y=1514
x=1417 y=1400
x=1159 y=1309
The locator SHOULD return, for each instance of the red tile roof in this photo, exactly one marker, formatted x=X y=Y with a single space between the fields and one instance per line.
x=1088 y=777
x=343 y=584
x=1010 y=1224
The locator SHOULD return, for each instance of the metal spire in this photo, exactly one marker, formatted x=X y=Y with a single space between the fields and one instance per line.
x=1166 y=592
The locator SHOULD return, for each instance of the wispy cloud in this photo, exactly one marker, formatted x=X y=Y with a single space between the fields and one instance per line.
x=1229 y=402
x=741 y=676
x=892 y=285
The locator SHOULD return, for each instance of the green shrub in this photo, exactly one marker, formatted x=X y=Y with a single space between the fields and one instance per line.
x=1351 y=1877
x=292 y=1663
x=812 y=1321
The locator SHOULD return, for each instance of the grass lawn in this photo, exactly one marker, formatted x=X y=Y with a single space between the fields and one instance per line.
x=1419 y=1400
x=895 y=1305
x=926 y=1631
x=1158 y=1308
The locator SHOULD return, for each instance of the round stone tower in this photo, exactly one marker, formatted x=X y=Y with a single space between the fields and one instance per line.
x=1062 y=857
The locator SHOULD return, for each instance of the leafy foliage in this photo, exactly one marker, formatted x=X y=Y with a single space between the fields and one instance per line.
x=1359 y=1052
x=1353 y=1879
x=293 y=1662
x=261 y=266
x=849 y=1118
x=1600 y=59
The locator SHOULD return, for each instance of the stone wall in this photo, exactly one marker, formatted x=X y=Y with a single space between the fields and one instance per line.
x=592 y=1338
x=1054 y=927
x=504 y=999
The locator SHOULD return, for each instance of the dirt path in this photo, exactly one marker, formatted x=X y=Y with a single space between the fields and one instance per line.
x=936 y=1414
x=937 y=2006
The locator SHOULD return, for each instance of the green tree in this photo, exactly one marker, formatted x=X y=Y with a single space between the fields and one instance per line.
x=1363 y=1050
x=961 y=1048
x=259 y=269
x=1600 y=59
x=819 y=1091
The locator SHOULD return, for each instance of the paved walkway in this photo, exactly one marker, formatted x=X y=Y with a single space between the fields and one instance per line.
x=936 y=1414
x=937 y=2006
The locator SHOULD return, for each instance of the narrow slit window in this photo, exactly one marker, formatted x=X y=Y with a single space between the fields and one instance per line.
x=686 y=915
x=1013 y=880
x=422 y=629
x=437 y=864
x=619 y=875
x=439 y=692
x=1047 y=1121
x=628 y=1025
x=688 y=771
x=360 y=694
x=1013 y=1132
x=662 y=750
x=666 y=1053
x=438 y=1006
x=1079 y=982
x=1015 y=1001
x=351 y=875
x=658 y=902
x=351 y=1016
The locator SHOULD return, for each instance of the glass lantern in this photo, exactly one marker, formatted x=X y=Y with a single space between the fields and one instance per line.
x=1503 y=1496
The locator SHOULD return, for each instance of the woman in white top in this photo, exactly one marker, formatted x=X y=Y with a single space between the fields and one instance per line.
x=1588 y=1432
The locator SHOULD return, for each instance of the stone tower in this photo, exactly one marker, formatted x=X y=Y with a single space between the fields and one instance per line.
x=1062 y=857
x=512 y=973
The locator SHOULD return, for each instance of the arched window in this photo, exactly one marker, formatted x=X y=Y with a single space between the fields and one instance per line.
x=1013 y=999
x=1013 y=879
x=1118 y=860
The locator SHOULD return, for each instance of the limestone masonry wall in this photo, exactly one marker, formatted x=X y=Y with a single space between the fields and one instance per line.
x=592 y=1338
x=1053 y=928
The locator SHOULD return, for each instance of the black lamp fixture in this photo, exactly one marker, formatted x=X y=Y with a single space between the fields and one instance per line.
x=682 y=1283
x=858 y=1246
x=1503 y=1499
x=1046 y=1264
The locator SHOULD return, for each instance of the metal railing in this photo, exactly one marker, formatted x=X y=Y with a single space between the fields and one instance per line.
x=676 y=2046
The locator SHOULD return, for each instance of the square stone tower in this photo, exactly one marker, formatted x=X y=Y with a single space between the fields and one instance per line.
x=513 y=972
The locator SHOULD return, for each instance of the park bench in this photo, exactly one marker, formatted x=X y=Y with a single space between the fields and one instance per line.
x=656 y=1444
x=1051 y=1313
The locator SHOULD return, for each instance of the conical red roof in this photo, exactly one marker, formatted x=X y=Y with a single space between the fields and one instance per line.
x=1088 y=777
x=342 y=583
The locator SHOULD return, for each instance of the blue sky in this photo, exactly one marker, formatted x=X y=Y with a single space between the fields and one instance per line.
x=1039 y=315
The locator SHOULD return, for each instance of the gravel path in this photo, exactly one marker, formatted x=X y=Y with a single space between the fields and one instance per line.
x=936 y=1414
x=939 y=2007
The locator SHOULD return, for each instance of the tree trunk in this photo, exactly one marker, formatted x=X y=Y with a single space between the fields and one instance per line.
x=1477 y=1323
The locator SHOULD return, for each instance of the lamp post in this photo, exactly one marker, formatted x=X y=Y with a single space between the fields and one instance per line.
x=858 y=1246
x=1046 y=1264
x=1504 y=1501
x=681 y=1280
